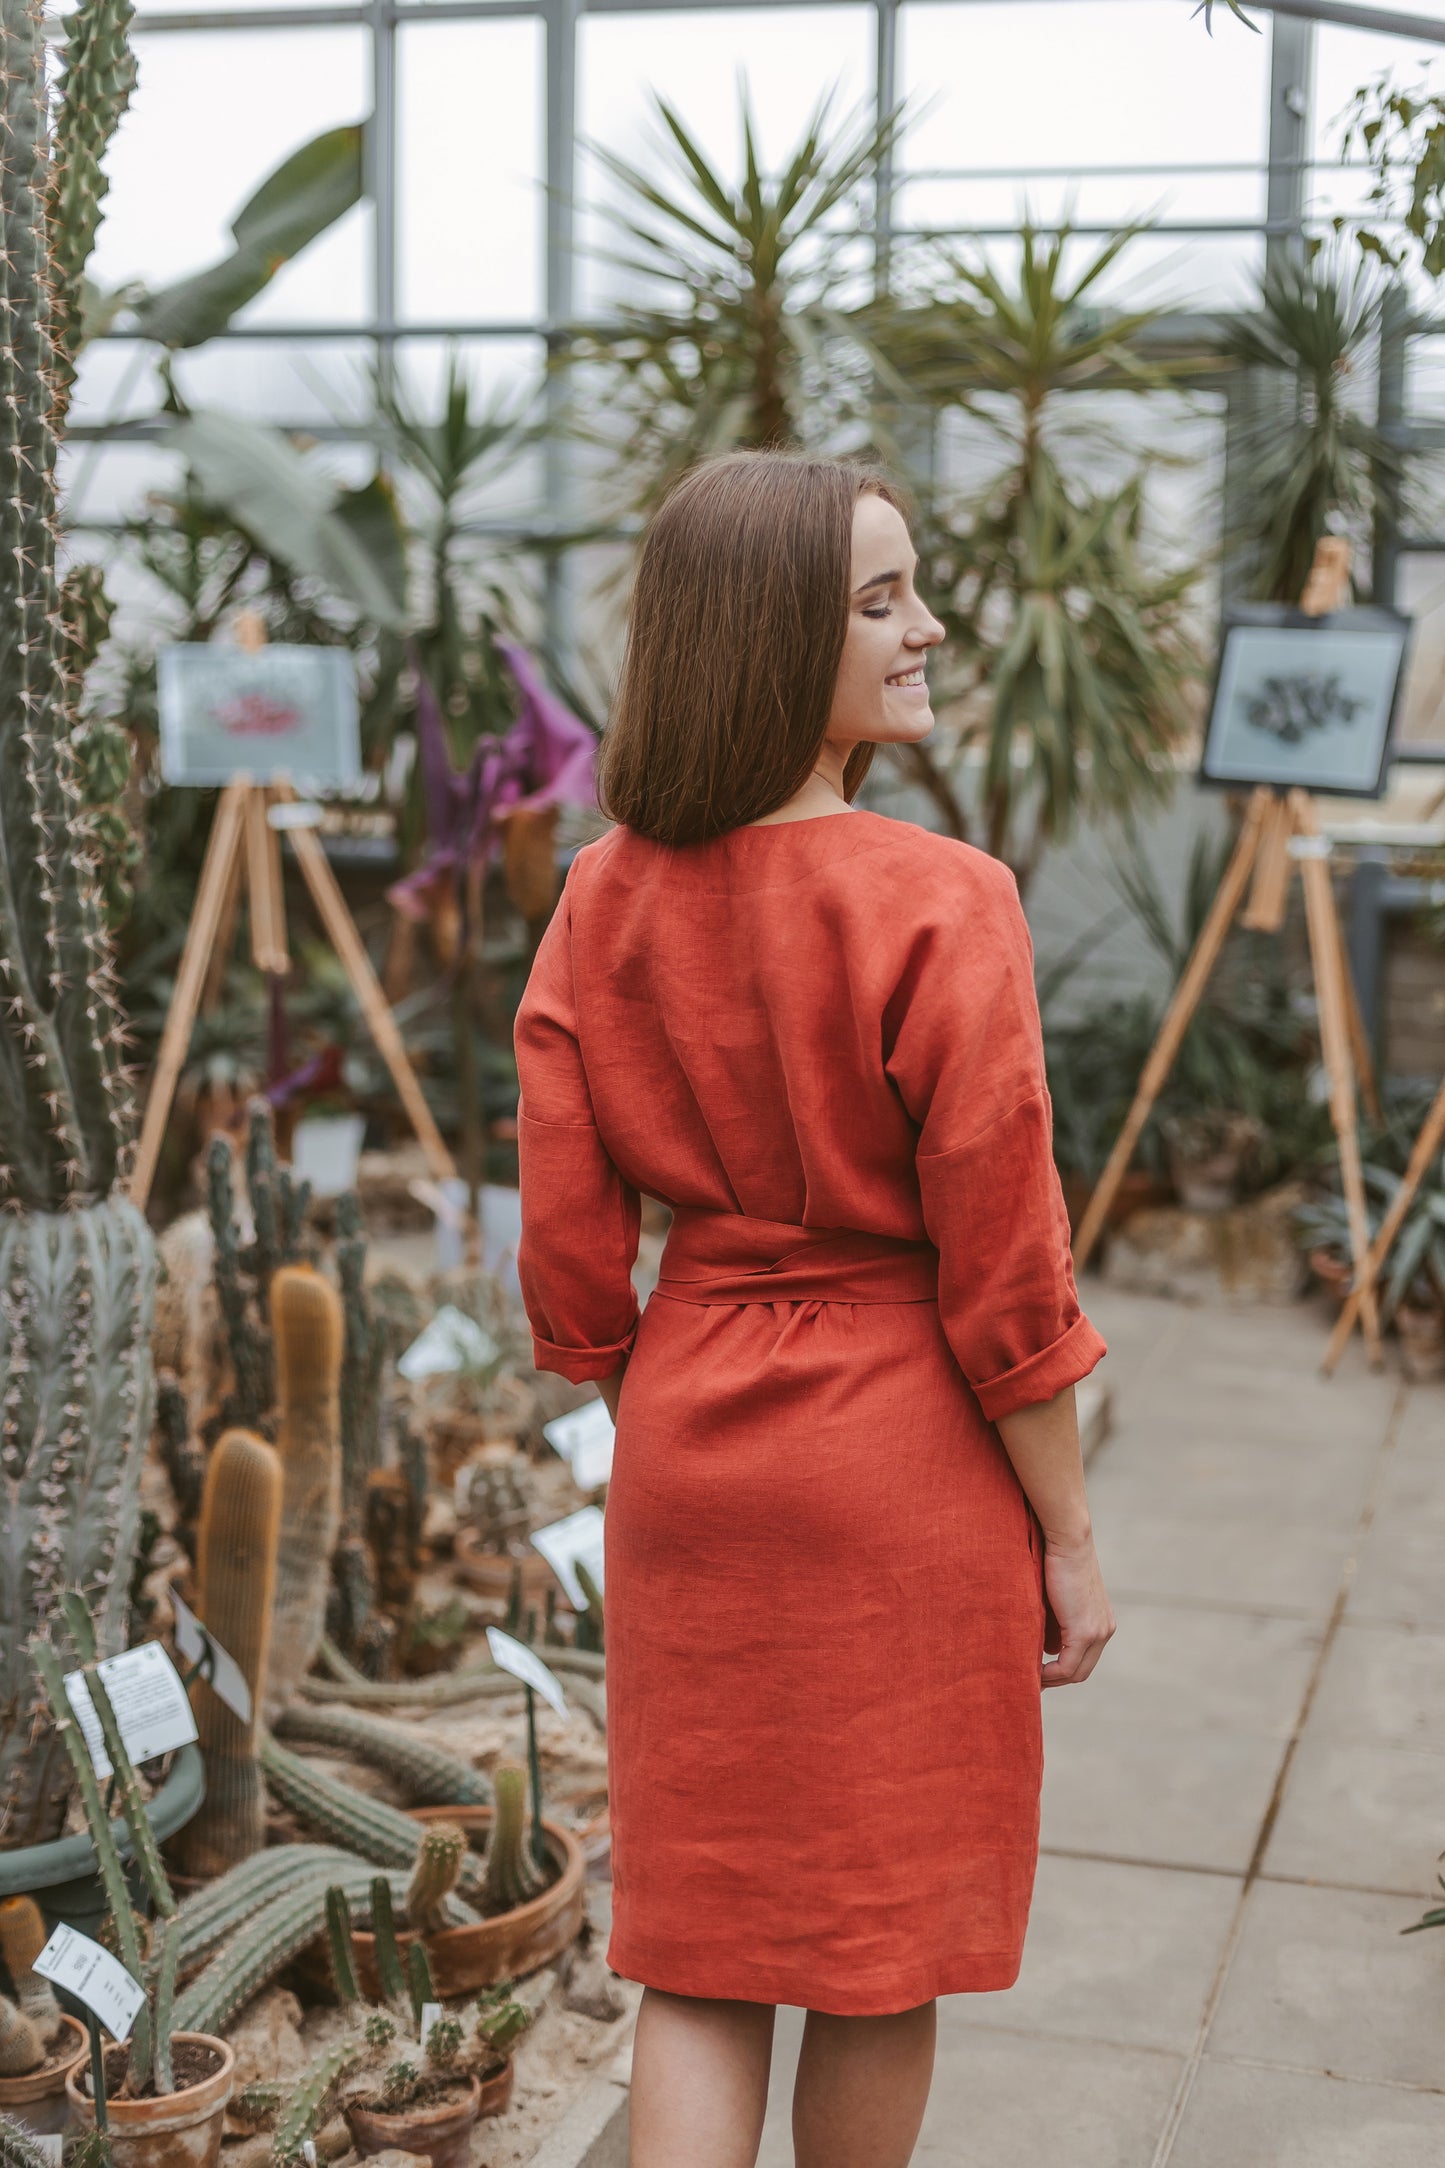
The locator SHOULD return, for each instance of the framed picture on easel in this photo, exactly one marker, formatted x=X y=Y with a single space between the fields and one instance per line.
x=1306 y=703
x=259 y=713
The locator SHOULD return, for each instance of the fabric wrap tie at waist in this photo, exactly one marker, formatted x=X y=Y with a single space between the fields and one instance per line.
x=727 y=1257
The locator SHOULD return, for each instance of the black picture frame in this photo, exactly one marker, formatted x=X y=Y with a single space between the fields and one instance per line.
x=1329 y=729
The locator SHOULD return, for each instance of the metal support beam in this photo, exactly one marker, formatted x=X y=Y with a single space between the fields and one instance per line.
x=885 y=98
x=381 y=144
x=560 y=288
x=1291 y=96
x=1389 y=414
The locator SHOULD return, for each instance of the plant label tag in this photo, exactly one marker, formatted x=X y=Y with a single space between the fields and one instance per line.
x=430 y=2012
x=50 y=2148
x=592 y=1463
x=309 y=2153
x=151 y=1706
x=451 y=1342
x=566 y=1543
x=588 y=1425
x=516 y=1657
x=221 y=1672
x=72 y=1961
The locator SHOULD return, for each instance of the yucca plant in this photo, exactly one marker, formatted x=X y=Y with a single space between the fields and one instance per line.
x=1311 y=457
x=737 y=333
x=77 y=1265
x=1071 y=650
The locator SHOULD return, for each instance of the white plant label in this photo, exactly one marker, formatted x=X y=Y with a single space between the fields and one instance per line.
x=221 y=1672
x=516 y=1657
x=587 y=1426
x=151 y=1706
x=309 y=2154
x=567 y=1543
x=592 y=1463
x=71 y=1960
x=430 y=2012
x=452 y=1341
x=50 y=2148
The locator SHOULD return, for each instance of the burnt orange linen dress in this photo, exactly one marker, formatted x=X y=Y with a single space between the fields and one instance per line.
x=818 y=1042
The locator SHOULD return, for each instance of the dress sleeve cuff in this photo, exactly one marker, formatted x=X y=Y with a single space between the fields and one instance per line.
x=1044 y=1375
x=583 y=1364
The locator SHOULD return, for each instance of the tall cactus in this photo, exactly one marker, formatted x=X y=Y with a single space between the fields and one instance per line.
x=306 y=1324
x=77 y=1264
x=236 y=1558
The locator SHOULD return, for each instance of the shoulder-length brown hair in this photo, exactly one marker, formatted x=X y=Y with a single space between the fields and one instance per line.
x=736 y=632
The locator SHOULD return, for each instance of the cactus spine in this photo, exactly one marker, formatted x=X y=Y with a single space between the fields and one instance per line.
x=512 y=1877
x=77 y=1264
x=21 y=2047
x=307 y=1326
x=434 y=1877
x=361 y=1367
x=428 y=1775
x=236 y=1558
x=17 y=2146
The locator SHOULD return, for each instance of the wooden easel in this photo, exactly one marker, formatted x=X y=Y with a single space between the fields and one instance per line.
x=245 y=851
x=1281 y=830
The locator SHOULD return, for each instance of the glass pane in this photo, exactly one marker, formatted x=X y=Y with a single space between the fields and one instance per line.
x=1425 y=379
x=505 y=374
x=117 y=381
x=1112 y=199
x=109 y=482
x=291 y=386
x=789 y=58
x=185 y=160
x=1345 y=61
x=1421 y=595
x=470 y=200
x=1056 y=85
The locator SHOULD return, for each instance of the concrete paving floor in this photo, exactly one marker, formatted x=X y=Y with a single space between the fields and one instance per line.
x=1245 y=1804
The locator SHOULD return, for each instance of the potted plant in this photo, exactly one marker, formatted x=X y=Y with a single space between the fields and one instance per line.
x=38 y=2043
x=1209 y=1152
x=1414 y=1272
x=161 y=2094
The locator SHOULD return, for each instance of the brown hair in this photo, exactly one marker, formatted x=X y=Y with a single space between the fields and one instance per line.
x=736 y=632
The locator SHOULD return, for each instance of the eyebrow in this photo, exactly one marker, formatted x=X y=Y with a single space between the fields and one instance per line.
x=881 y=579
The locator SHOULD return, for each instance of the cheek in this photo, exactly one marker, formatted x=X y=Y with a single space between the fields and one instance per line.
x=860 y=670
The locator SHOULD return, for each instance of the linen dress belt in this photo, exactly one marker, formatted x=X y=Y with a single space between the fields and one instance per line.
x=721 y=1257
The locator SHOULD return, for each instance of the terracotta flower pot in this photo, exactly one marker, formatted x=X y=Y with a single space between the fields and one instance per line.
x=177 y=2130
x=464 y=1959
x=37 y=2101
x=491 y=1574
x=442 y=2135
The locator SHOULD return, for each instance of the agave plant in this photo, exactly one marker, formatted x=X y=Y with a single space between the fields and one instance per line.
x=1312 y=458
x=1073 y=657
x=740 y=335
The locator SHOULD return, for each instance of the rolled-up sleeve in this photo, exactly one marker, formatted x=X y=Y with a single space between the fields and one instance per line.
x=966 y=1054
x=580 y=1218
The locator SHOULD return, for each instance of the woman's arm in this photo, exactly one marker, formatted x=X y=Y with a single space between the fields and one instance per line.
x=610 y=1388
x=1043 y=1443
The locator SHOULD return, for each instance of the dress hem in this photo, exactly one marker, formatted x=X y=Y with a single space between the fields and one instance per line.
x=986 y=1973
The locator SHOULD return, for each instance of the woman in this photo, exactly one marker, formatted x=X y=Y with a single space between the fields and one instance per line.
x=847 y=1512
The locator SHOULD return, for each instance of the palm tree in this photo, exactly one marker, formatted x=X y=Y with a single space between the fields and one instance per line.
x=739 y=336
x=1311 y=456
x=1072 y=648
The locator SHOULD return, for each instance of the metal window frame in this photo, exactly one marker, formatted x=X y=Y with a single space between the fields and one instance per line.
x=1285 y=169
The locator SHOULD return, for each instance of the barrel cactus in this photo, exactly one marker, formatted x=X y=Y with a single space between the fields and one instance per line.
x=77 y=1262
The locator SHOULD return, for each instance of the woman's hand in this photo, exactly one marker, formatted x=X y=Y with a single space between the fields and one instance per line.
x=1080 y=1615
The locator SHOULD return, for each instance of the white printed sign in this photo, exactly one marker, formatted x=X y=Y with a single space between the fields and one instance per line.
x=592 y=1463
x=516 y=1657
x=430 y=2012
x=51 y=2147
x=71 y=1960
x=221 y=1672
x=566 y=1543
x=151 y=1706
x=452 y=1341
x=587 y=1429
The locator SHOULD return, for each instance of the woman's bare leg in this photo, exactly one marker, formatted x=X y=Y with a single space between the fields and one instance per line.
x=861 y=2089
x=699 y=2081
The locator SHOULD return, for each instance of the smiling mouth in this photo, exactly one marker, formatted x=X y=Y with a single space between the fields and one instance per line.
x=917 y=676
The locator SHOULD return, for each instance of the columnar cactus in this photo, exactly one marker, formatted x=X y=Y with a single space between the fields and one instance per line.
x=434 y=1877
x=306 y=1324
x=236 y=1559
x=18 y=2146
x=512 y=1876
x=77 y=1267
x=429 y=1776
